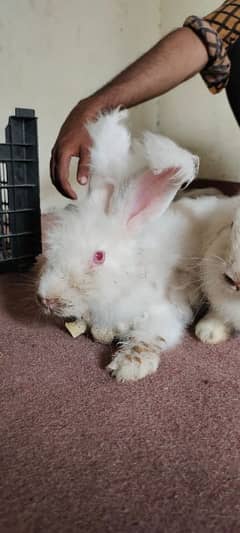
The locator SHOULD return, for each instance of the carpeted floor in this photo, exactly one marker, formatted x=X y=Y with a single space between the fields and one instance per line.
x=80 y=453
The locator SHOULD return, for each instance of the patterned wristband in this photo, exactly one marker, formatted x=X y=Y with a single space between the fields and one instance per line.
x=216 y=73
x=218 y=31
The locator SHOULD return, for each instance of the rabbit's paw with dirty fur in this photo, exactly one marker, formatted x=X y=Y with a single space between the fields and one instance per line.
x=212 y=330
x=134 y=361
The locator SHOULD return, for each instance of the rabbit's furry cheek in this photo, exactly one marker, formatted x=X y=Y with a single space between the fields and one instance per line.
x=220 y=274
x=57 y=297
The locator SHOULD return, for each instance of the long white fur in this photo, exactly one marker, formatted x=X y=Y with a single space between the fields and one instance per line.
x=141 y=292
x=110 y=152
x=162 y=153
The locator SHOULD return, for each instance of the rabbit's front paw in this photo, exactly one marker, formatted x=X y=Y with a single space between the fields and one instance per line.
x=212 y=330
x=103 y=335
x=134 y=362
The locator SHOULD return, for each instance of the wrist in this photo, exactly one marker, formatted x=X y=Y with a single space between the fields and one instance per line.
x=107 y=98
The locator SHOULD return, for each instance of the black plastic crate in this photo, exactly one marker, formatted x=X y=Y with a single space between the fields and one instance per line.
x=20 y=216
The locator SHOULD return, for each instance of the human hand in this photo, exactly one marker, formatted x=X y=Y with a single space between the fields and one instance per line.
x=73 y=141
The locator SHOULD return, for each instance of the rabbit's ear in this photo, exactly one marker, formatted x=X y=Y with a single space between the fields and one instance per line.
x=163 y=153
x=109 y=156
x=153 y=193
x=170 y=167
x=110 y=150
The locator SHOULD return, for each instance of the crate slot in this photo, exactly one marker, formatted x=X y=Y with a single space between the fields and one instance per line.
x=18 y=186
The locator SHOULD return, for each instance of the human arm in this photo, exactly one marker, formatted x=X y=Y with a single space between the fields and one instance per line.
x=174 y=59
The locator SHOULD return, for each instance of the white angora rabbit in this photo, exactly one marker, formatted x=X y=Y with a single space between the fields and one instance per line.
x=117 y=259
x=220 y=274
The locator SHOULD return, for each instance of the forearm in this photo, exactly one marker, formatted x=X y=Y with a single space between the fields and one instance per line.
x=176 y=58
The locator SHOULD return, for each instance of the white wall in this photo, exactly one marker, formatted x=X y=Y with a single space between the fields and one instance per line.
x=192 y=115
x=54 y=52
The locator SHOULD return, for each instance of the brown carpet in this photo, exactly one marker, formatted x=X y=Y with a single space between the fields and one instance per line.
x=80 y=453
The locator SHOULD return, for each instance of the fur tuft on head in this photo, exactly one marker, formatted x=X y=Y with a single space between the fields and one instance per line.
x=162 y=153
x=110 y=149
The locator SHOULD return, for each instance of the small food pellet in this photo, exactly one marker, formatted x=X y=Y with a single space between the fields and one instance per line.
x=76 y=328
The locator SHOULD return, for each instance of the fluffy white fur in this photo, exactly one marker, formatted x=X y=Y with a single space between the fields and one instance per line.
x=162 y=153
x=220 y=274
x=110 y=151
x=143 y=293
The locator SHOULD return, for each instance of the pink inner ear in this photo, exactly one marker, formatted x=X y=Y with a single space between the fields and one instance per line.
x=151 y=187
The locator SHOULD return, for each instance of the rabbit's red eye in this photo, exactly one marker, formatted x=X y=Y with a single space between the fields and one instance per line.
x=99 y=257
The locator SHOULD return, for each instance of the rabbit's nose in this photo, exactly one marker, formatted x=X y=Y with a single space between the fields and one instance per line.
x=48 y=303
x=234 y=283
